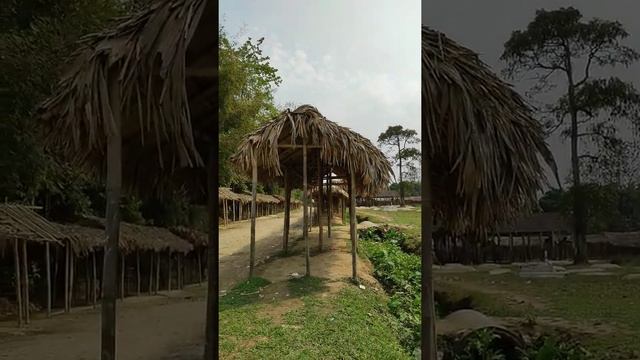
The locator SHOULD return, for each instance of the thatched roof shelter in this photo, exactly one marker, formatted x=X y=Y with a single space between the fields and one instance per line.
x=278 y=145
x=227 y=194
x=159 y=61
x=482 y=152
x=336 y=191
x=143 y=92
x=21 y=222
x=484 y=144
x=194 y=237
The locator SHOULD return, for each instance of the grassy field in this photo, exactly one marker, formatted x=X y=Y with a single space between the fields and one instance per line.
x=603 y=312
x=350 y=324
x=409 y=220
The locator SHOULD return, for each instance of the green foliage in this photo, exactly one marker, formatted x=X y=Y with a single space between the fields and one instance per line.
x=130 y=210
x=62 y=190
x=411 y=188
x=400 y=273
x=171 y=210
x=547 y=348
x=36 y=38
x=246 y=84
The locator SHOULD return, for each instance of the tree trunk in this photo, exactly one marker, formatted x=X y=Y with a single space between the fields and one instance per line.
x=400 y=168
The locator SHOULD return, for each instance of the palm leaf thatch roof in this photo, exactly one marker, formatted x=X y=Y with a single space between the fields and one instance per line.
x=336 y=191
x=21 y=222
x=485 y=146
x=538 y=223
x=276 y=146
x=195 y=237
x=156 y=61
x=90 y=233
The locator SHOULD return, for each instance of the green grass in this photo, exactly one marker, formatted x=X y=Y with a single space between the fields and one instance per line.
x=607 y=300
x=352 y=324
x=409 y=219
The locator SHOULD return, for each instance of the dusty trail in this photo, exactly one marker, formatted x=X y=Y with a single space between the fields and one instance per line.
x=165 y=327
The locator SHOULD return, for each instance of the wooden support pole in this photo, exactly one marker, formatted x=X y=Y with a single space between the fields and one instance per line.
x=511 y=255
x=287 y=211
x=541 y=246
x=150 y=288
x=16 y=256
x=233 y=207
x=111 y=254
x=138 y=272
x=72 y=274
x=123 y=272
x=169 y=273
x=157 y=272
x=254 y=184
x=305 y=195
x=329 y=205
x=179 y=281
x=319 y=207
x=352 y=223
x=95 y=279
x=199 y=267
x=25 y=275
x=428 y=318
x=66 y=276
x=47 y=261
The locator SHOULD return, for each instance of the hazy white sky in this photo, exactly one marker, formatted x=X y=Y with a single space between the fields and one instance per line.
x=357 y=61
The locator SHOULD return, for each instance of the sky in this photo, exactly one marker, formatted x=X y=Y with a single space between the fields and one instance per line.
x=357 y=61
x=484 y=26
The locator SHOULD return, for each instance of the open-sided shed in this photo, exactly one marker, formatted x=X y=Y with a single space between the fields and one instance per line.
x=301 y=144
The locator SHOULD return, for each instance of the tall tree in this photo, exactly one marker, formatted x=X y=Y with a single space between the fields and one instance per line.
x=397 y=138
x=246 y=85
x=562 y=48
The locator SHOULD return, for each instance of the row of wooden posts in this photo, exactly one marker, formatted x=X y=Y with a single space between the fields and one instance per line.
x=323 y=174
x=93 y=287
x=493 y=248
x=236 y=210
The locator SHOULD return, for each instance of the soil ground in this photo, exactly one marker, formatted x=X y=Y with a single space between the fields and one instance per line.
x=167 y=326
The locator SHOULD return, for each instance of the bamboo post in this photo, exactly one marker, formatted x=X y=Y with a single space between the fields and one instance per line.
x=233 y=207
x=511 y=255
x=138 y=272
x=199 y=267
x=240 y=206
x=66 y=277
x=169 y=273
x=287 y=211
x=254 y=184
x=95 y=279
x=72 y=271
x=114 y=187
x=329 y=205
x=179 y=271
x=319 y=207
x=150 y=273
x=528 y=247
x=16 y=255
x=352 y=223
x=87 y=281
x=305 y=195
x=157 y=272
x=428 y=337
x=47 y=261
x=123 y=271
x=25 y=274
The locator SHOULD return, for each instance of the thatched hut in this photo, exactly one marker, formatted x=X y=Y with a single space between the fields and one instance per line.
x=22 y=226
x=481 y=149
x=301 y=144
x=334 y=198
x=138 y=100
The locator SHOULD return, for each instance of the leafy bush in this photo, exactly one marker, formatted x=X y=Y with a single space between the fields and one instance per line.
x=400 y=274
x=546 y=348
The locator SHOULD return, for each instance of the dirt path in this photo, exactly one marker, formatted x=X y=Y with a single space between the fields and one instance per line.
x=234 y=245
x=148 y=328
x=166 y=327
